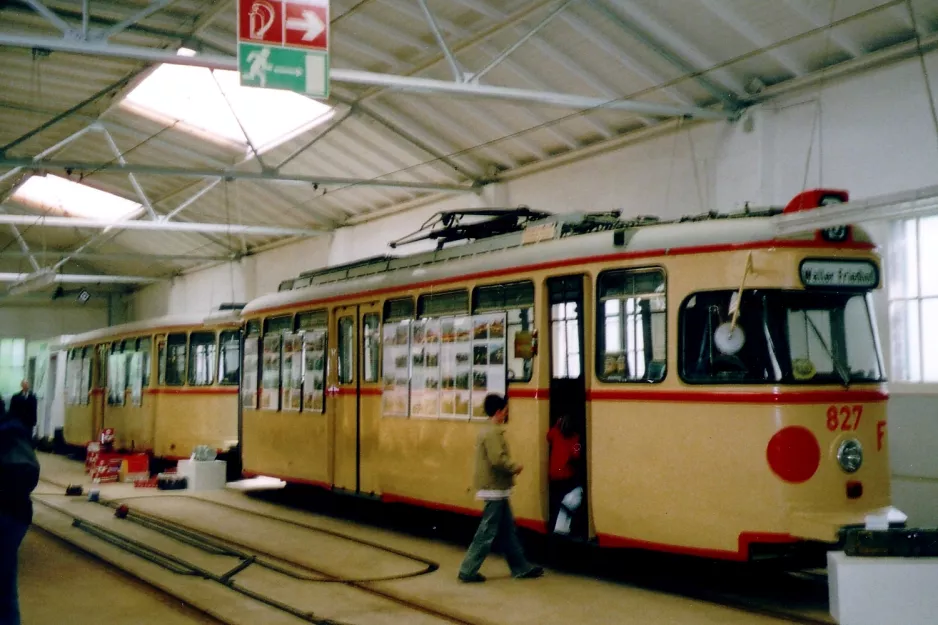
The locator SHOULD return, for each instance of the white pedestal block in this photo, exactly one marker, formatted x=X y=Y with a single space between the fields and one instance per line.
x=882 y=591
x=203 y=475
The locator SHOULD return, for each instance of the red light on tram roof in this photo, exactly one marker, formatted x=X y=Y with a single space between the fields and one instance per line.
x=794 y=454
x=815 y=197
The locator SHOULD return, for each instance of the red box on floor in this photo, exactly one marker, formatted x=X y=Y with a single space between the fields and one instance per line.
x=135 y=467
x=107 y=468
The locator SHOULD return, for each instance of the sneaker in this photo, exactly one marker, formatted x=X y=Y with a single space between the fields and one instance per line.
x=532 y=573
x=469 y=579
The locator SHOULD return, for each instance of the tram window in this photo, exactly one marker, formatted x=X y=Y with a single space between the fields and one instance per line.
x=175 y=371
x=446 y=303
x=346 y=350
x=371 y=342
x=253 y=327
x=202 y=358
x=229 y=361
x=161 y=362
x=565 y=335
x=398 y=309
x=278 y=325
x=144 y=346
x=632 y=325
x=312 y=320
x=517 y=299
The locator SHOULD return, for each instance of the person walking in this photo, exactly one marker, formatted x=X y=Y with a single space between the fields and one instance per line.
x=19 y=474
x=494 y=477
x=23 y=407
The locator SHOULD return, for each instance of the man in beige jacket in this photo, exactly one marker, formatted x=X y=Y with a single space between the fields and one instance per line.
x=494 y=477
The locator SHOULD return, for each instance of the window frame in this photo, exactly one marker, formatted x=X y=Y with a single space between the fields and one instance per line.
x=506 y=308
x=444 y=297
x=191 y=354
x=219 y=374
x=373 y=341
x=600 y=329
x=352 y=350
x=170 y=344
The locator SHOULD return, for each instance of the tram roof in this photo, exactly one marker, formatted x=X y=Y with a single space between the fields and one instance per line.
x=512 y=250
x=211 y=320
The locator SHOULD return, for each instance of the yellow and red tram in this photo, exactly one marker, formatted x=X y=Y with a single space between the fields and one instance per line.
x=728 y=382
x=164 y=385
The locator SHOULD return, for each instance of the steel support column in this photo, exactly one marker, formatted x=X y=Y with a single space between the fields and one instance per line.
x=400 y=83
x=72 y=278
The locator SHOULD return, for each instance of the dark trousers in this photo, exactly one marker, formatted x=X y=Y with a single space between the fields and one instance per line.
x=497 y=523
x=12 y=533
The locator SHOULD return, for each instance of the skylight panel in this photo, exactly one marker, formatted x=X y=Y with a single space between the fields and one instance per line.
x=64 y=197
x=196 y=101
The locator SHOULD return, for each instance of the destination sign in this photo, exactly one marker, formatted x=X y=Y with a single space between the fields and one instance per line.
x=854 y=274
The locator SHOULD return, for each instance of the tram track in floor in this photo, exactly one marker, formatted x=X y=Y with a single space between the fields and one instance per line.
x=216 y=543
x=681 y=585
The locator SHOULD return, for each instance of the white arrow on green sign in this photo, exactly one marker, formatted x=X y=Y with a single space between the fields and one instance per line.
x=274 y=67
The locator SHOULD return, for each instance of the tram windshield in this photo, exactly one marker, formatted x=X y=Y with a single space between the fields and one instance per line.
x=787 y=337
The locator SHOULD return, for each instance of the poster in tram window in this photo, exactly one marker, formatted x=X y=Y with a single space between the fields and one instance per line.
x=314 y=370
x=249 y=374
x=489 y=369
x=117 y=379
x=396 y=383
x=455 y=366
x=270 y=382
x=425 y=372
x=136 y=379
x=84 y=391
x=291 y=375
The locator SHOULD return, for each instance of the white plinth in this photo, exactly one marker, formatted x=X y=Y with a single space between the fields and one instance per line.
x=882 y=591
x=203 y=475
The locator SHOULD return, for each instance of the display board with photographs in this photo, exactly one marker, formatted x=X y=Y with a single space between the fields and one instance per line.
x=249 y=373
x=291 y=373
x=397 y=357
x=425 y=372
x=270 y=373
x=455 y=366
x=136 y=379
x=489 y=371
x=314 y=370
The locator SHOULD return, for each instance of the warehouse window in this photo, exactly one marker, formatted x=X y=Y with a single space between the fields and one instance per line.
x=214 y=105
x=913 y=299
x=12 y=365
x=57 y=195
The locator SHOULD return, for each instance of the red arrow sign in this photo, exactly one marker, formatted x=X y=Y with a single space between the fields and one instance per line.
x=306 y=24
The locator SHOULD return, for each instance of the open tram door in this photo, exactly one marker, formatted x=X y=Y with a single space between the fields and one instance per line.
x=568 y=396
x=357 y=398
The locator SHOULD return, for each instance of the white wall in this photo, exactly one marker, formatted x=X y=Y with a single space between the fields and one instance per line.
x=871 y=134
x=37 y=322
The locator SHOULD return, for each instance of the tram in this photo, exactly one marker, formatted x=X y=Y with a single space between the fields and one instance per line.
x=164 y=385
x=728 y=383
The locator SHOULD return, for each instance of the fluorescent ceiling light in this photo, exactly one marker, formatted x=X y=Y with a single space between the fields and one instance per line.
x=194 y=100
x=58 y=195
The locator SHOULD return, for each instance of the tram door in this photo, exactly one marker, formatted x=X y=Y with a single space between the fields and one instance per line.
x=567 y=375
x=357 y=402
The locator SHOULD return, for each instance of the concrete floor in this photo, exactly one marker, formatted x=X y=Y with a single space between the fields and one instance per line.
x=61 y=585
x=555 y=598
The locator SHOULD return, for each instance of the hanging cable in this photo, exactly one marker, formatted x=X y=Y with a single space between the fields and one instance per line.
x=817 y=123
x=921 y=58
x=667 y=193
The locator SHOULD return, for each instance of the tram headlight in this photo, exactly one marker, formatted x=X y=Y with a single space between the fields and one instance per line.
x=850 y=455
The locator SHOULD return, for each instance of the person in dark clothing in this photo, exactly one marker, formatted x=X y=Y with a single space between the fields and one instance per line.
x=3 y=408
x=23 y=407
x=19 y=474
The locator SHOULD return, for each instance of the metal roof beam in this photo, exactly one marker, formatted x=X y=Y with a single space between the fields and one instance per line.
x=25 y=247
x=458 y=72
x=534 y=30
x=117 y=256
x=143 y=13
x=51 y=17
x=753 y=35
x=234 y=174
x=146 y=224
x=400 y=83
x=72 y=278
x=662 y=41
x=141 y=195
x=845 y=42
